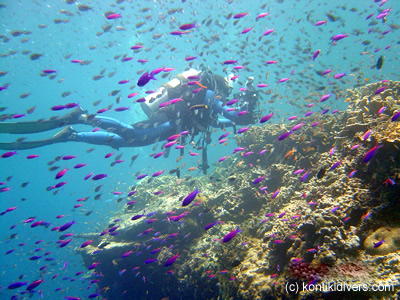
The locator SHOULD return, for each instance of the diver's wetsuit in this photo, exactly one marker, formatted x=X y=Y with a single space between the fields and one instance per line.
x=125 y=135
x=195 y=113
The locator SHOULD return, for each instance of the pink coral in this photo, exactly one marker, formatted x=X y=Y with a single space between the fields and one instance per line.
x=303 y=270
x=352 y=270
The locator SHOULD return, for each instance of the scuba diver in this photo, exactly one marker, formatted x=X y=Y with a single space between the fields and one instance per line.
x=192 y=102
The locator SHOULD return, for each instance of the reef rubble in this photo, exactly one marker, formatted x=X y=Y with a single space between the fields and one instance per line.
x=323 y=226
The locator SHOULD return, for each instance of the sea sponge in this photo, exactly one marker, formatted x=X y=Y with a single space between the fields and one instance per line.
x=391 y=237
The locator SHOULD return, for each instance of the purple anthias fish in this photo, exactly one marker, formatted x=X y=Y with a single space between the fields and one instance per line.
x=378 y=244
x=158 y=154
x=150 y=260
x=34 y=284
x=87 y=243
x=145 y=78
x=335 y=208
x=61 y=173
x=324 y=111
x=304 y=177
x=131 y=193
x=316 y=53
x=248 y=153
x=299 y=171
x=370 y=153
x=8 y=154
x=396 y=116
x=95 y=295
x=209 y=226
x=16 y=285
x=231 y=102
x=136 y=217
x=93 y=265
x=66 y=225
x=157 y=173
x=243 y=129
x=297 y=127
x=57 y=107
x=258 y=180
x=380 y=90
x=352 y=173
x=224 y=135
x=229 y=236
x=339 y=75
x=99 y=176
x=335 y=165
x=121 y=108
x=78 y=166
x=171 y=260
x=154 y=251
x=326 y=71
x=266 y=118
x=237 y=150
x=230 y=62
x=222 y=158
x=338 y=37
x=381 y=110
x=367 y=134
x=126 y=254
x=284 y=136
x=65 y=243
x=112 y=229
x=189 y=198
x=276 y=193
x=269 y=31
x=324 y=97
x=178 y=217
x=68 y=157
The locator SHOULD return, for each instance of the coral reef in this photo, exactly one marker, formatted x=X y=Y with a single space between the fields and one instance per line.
x=318 y=227
x=383 y=241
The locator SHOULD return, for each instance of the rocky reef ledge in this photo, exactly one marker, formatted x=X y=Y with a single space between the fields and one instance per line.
x=335 y=220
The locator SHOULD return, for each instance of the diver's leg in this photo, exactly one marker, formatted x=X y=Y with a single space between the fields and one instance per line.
x=140 y=134
x=151 y=135
x=116 y=126
x=62 y=136
x=100 y=138
x=139 y=137
x=74 y=117
x=67 y=135
x=133 y=137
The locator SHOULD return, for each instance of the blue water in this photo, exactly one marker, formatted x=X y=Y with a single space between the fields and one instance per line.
x=293 y=24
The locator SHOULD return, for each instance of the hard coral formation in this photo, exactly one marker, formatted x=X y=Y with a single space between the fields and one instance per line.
x=383 y=241
x=316 y=228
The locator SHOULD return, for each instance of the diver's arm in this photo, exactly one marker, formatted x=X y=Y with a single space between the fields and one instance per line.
x=218 y=108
